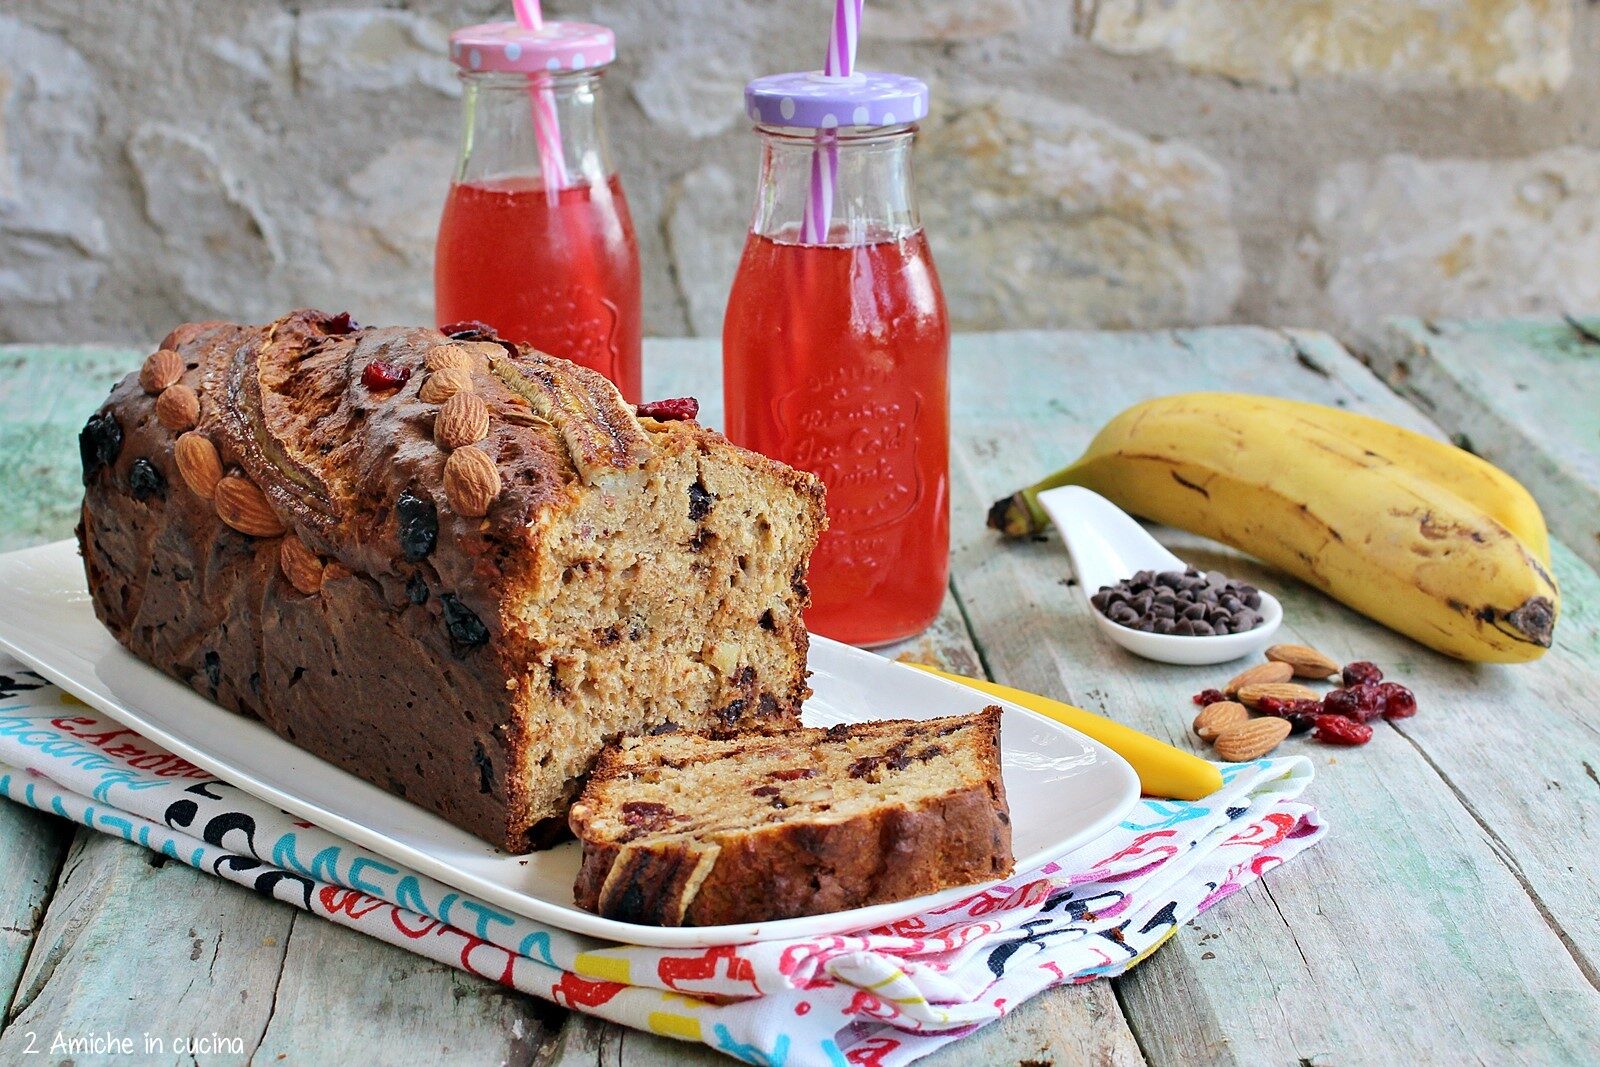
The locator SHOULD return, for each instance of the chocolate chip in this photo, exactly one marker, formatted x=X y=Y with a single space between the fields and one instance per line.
x=213 y=668
x=485 y=766
x=417 y=589
x=466 y=630
x=144 y=481
x=99 y=444
x=700 y=501
x=419 y=526
x=1186 y=603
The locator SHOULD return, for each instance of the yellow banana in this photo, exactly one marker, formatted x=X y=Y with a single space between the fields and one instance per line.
x=1381 y=535
x=1470 y=477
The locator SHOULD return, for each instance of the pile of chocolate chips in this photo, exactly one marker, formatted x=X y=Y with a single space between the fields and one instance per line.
x=1187 y=603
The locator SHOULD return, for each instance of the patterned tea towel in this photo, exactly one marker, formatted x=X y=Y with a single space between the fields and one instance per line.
x=876 y=998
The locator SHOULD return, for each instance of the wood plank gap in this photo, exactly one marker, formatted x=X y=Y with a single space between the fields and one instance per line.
x=972 y=631
x=277 y=986
x=1581 y=329
x=35 y=920
x=23 y=998
x=1586 y=966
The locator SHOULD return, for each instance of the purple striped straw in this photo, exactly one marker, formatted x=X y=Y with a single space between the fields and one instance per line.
x=546 y=123
x=840 y=62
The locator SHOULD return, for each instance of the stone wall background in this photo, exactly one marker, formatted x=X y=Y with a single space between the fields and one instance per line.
x=1097 y=163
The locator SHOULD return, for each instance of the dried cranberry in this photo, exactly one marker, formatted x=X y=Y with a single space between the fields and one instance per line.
x=1301 y=714
x=679 y=408
x=1359 y=702
x=380 y=374
x=418 y=520
x=1338 y=730
x=1361 y=673
x=469 y=330
x=466 y=630
x=1398 y=701
x=99 y=444
x=1209 y=696
x=646 y=813
x=144 y=481
x=795 y=774
x=338 y=325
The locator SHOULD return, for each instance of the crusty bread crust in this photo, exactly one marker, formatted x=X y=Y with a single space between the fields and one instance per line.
x=793 y=868
x=409 y=669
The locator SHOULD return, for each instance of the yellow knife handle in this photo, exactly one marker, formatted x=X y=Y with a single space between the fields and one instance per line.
x=1163 y=771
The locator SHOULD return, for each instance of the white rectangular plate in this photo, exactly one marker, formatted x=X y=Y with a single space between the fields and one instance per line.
x=1064 y=788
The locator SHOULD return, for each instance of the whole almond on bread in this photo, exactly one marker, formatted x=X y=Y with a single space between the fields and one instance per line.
x=1250 y=695
x=444 y=384
x=471 y=481
x=1260 y=674
x=446 y=356
x=1306 y=662
x=463 y=420
x=198 y=464
x=1215 y=718
x=161 y=370
x=178 y=408
x=300 y=565
x=1251 y=740
x=244 y=507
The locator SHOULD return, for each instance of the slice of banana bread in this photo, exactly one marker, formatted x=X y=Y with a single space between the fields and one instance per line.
x=703 y=829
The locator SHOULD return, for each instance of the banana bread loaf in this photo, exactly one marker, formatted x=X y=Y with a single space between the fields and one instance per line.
x=451 y=565
x=687 y=829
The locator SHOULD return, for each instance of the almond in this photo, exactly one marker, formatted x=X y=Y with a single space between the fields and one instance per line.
x=446 y=356
x=300 y=565
x=198 y=463
x=161 y=370
x=471 y=481
x=1306 y=662
x=1261 y=673
x=445 y=383
x=1215 y=718
x=336 y=571
x=1250 y=695
x=463 y=420
x=1251 y=740
x=244 y=507
x=178 y=408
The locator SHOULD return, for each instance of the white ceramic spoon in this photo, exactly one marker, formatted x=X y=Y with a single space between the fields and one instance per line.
x=1107 y=545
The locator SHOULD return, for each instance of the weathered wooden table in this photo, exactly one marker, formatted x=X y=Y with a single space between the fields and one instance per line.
x=1452 y=916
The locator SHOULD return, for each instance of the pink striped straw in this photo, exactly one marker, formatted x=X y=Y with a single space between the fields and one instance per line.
x=546 y=123
x=840 y=62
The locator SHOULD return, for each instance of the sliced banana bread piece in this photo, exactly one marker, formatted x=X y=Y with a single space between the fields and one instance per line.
x=703 y=829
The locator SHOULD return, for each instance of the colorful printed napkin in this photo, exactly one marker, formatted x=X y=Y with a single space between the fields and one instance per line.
x=877 y=998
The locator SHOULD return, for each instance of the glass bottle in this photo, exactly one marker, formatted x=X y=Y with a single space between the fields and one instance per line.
x=535 y=238
x=836 y=346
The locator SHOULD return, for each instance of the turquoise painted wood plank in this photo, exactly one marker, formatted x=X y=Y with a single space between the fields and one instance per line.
x=46 y=393
x=1524 y=394
x=1419 y=904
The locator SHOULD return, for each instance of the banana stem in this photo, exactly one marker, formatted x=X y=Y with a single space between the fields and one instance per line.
x=1019 y=515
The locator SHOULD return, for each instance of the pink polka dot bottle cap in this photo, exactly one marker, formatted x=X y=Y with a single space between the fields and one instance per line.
x=510 y=48
x=814 y=101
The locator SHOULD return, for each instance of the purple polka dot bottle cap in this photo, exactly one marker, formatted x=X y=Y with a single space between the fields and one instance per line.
x=508 y=47
x=814 y=101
